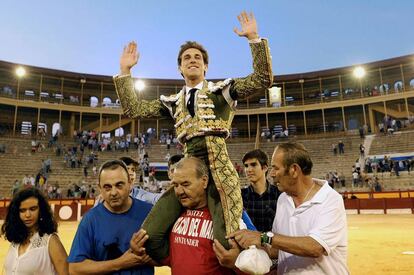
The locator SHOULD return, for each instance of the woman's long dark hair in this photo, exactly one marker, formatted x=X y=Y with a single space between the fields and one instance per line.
x=14 y=229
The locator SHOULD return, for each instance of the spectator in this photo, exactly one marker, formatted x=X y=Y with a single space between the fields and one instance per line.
x=32 y=180
x=31 y=229
x=58 y=192
x=260 y=197
x=329 y=178
x=362 y=150
x=341 y=147
x=370 y=183
x=361 y=132
x=374 y=165
x=315 y=241
x=168 y=141
x=70 y=193
x=335 y=179
x=16 y=187
x=367 y=167
x=136 y=192
x=357 y=166
x=238 y=168
x=26 y=180
x=85 y=170
x=34 y=146
x=381 y=128
x=42 y=181
x=83 y=191
x=377 y=185
x=136 y=141
x=355 y=179
x=396 y=167
x=342 y=179
x=48 y=165
x=101 y=243
x=190 y=181
x=73 y=161
x=92 y=192
x=167 y=156
x=2 y=148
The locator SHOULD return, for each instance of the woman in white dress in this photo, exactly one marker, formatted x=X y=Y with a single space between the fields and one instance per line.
x=31 y=229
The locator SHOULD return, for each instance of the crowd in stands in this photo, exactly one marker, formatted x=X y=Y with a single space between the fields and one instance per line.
x=52 y=190
x=84 y=191
x=374 y=184
x=361 y=179
x=361 y=175
x=394 y=167
x=335 y=179
x=83 y=154
x=170 y=141
x=390 y=125
x=74 y=156
x=277 y=132
x=39 y=181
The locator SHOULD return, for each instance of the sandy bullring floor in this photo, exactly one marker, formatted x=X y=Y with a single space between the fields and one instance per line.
x=378 y=244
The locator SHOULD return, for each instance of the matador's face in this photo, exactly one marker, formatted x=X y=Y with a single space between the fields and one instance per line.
x=192 y=65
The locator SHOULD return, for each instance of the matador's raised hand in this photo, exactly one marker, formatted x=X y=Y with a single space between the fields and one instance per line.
x=248 y=26
x=129 y=57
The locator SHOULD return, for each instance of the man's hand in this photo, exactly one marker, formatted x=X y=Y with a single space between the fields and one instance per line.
x=227 y=258
x=248 y=26
x=137 y=242
x=129 y=58
x=246 y=238
x=130 y=259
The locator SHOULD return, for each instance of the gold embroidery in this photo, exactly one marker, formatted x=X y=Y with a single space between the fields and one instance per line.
x=227 y=182
x=205 y=112
x=132 y=106
x=204 y=101
x=262 y=76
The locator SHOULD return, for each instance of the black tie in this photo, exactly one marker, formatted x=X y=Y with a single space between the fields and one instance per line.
x=190 y=103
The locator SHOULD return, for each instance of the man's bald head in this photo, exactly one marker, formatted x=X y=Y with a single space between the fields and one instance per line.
x=189 y=162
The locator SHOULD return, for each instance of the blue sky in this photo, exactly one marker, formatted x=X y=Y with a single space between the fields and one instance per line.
x=88 y=36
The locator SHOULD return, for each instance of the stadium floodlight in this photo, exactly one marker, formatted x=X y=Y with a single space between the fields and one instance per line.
x=359 y=72
x=139 y=85
x=20 y=71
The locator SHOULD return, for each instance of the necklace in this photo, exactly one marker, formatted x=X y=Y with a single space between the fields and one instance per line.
x=307 y=194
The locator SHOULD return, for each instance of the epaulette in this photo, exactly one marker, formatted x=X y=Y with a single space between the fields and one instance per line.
x=171 y=98
x=214 y=87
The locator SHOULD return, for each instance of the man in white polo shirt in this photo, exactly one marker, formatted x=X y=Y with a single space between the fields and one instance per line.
x=309 y=232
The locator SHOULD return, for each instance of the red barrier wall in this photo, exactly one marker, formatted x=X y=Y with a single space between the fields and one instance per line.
x=74 y=209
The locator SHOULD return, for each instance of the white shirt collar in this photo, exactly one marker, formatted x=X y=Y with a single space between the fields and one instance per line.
x=322 y=193
x=199 y=86
x=318 y=198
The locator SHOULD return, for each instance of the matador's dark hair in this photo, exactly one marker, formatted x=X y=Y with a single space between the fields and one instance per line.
x=192 y=45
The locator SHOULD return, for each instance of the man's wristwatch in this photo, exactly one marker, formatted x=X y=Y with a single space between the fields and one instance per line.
x=266 y=238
